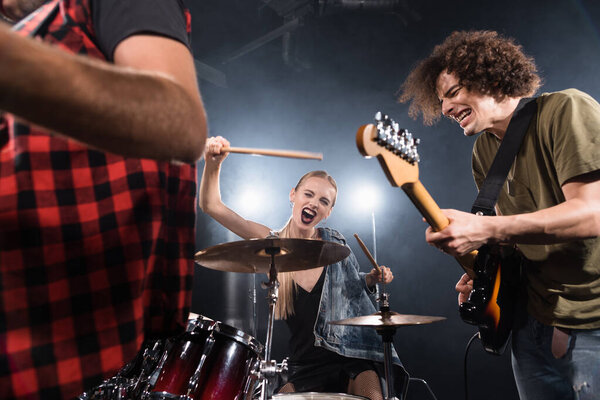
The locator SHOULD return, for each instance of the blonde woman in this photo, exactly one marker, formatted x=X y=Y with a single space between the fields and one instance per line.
x=324 y=357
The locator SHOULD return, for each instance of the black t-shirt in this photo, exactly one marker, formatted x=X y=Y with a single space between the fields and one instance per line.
x=115 y=20
x=301 y=324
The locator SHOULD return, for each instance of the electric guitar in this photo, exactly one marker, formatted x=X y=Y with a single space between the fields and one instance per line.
x=495 y=274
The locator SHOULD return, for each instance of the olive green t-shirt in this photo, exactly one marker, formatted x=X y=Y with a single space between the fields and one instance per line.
x=563 y=142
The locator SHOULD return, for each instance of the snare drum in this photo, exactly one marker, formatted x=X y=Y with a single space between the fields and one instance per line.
x=316 y=396
x=212 y=361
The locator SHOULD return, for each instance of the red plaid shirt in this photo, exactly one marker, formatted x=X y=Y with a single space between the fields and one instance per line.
x=96 y=250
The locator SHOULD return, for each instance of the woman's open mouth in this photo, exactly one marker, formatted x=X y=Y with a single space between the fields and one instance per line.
x=308 y=215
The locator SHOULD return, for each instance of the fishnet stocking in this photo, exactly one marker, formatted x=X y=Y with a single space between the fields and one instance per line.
x=366 y=384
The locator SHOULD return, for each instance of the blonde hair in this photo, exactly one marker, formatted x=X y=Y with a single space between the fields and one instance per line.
x=285 y=303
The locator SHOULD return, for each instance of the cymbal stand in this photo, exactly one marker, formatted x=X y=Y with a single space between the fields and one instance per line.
x=269 y=368
x=387 y=334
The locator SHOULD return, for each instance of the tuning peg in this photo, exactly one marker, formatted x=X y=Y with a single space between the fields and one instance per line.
x=386 y=120
x=378 y=116
x=393 y=142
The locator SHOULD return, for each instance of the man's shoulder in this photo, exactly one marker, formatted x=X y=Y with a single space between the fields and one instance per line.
x=562 y=98
x=485 y=144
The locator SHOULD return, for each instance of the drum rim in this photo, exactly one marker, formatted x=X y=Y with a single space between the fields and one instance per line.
x=344 y=395
x=239 y=336
x=204 y=324
x=167 y=395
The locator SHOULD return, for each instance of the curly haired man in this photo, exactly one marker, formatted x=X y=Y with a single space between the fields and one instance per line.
x=549 y=205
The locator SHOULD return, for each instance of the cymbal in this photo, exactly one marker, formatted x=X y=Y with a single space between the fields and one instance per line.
x=251 y=256
x=387 y=319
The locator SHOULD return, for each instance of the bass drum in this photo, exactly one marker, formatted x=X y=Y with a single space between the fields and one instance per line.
x=316 y=396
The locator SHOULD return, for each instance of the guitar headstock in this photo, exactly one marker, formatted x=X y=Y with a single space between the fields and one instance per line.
x=395 y=148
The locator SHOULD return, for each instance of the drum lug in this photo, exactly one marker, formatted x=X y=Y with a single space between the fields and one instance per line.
x=194 y=380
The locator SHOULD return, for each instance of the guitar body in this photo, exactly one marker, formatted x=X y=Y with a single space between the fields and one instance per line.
x=493 y=300
x=496 y=276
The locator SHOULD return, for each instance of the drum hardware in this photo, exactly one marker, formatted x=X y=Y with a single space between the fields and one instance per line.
x=268 y=367
x=131 y=382
x=115 y=388
x=214 y=361
x=385 y=323
x=209 y=361
x=193 y=365
x=272 y=368
x=195 y=379
x=271 y=255
x=316 y=396
x=152 y=357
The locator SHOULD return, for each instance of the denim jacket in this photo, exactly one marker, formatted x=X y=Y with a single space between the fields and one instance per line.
x=346 y=295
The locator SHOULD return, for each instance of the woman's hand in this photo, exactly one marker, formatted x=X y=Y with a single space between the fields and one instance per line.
x=212 y=149
x=464 y=287
x=375 y=276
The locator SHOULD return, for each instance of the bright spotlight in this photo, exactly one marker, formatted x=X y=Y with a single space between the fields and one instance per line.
x=251 y=202
x=367 y=197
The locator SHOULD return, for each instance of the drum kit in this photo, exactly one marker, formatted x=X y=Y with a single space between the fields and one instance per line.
x=215 y=361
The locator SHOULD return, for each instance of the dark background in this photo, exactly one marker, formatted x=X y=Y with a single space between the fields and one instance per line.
x=337 y=70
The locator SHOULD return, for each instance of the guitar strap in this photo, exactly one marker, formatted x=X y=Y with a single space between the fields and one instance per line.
x=494 y=180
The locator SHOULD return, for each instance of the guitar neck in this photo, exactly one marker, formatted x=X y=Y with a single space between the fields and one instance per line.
x=435 y=218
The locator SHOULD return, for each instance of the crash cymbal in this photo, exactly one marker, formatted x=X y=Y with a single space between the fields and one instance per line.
x=387 y=319
x=251 y=256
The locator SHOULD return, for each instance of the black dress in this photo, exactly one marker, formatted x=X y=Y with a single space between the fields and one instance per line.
x=312 y=368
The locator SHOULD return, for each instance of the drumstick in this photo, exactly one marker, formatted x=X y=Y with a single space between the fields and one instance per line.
x=275 y=153
x=367 y=253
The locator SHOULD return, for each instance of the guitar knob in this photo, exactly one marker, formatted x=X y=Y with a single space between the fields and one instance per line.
x=469 y=313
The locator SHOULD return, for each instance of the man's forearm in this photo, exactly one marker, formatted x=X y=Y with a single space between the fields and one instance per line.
x=120 y=110
x=571 y=220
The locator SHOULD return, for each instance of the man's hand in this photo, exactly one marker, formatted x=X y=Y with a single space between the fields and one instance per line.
x=465 y=233
x=464 y=288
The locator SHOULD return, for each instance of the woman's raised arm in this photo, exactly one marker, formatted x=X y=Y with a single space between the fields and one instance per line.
x=210 y=194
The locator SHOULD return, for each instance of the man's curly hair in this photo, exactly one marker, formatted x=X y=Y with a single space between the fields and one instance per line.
x=483 y=61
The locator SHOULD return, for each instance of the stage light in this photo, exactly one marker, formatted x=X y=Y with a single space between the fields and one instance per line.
x=251 y=202
x=367 y=198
